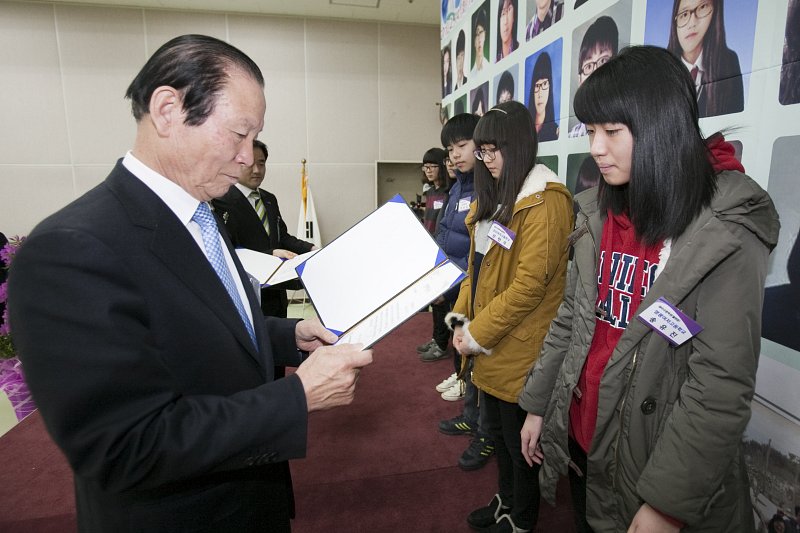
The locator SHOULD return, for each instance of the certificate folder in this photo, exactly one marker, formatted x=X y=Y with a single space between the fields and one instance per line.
x=268 y=269
x=377 y=274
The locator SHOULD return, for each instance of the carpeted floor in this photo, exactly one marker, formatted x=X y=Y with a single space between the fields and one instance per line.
x=378 y=465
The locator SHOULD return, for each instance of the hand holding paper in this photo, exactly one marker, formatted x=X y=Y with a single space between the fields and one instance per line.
x=311 y=334
x=329 y=375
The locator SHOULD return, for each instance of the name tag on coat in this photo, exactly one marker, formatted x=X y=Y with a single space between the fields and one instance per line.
x=501 y=235
x=669 y=322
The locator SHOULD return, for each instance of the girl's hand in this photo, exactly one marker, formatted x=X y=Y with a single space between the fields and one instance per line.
x=648 y=520
x=458 y=339
x=530 y=433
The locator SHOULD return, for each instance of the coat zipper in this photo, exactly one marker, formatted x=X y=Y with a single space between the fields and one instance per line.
x=622 y=414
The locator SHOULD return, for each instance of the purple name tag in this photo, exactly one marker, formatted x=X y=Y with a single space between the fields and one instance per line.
x=669 y=322
x=501 y=235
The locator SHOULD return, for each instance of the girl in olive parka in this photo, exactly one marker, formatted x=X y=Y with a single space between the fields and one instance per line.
x=649 y=431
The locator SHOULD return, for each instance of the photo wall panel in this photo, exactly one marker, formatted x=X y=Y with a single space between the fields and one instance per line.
x=746 y=60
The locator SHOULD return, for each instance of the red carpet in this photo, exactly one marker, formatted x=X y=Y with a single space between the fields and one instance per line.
x=378 y=465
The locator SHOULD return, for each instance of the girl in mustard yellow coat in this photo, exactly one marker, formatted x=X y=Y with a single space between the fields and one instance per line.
x=518 y=226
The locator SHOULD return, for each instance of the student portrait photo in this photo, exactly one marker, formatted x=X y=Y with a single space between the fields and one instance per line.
x=790 y=68
x=600 y=43
x=541 y=15
x=507 y=15
x=460 y=105
x=543 y=88
x=447 y=71
x=505 y=85
x=781 y=313
x=714 y=41
x=582 y=173
x=593 y=44
x=480 y=40
x=479 y=98
x=461 y=51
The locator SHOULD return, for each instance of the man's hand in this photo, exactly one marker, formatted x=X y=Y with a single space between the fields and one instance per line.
x=648 y=520
x=530 y=434
x=329 y=375
x=283 y=254
x=311 y=334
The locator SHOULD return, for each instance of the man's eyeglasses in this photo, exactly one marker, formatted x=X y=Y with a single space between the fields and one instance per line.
x=541 y=86
x=590 y=66
x=429 y=168
x=700 y=12
x=486 y=154
x=506 y=10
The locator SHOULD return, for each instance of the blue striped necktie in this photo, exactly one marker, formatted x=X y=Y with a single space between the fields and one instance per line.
x=208 y=228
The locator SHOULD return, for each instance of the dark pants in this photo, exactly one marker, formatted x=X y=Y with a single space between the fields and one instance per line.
x=275 y=303
x=518 y=482
x=441 y=333
x=577 y=486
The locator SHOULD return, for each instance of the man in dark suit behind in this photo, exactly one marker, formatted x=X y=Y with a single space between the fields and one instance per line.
x=142 y=344
x=253 y=220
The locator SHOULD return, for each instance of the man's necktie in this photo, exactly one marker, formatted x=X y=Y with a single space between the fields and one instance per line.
x=260 y=210
x=208 y=228
x=694 y=72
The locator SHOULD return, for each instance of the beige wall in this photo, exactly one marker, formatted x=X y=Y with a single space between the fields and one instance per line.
x=340 y=94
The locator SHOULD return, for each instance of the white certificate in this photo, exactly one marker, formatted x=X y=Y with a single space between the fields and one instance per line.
x=268 y=269
x=379 y=266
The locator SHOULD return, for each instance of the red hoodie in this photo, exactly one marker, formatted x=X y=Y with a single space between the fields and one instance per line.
x=722 y=154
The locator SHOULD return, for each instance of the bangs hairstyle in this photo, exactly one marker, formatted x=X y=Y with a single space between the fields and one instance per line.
x=196 y=65
x=459 y=128
x=509 y=127
x=649 y=90
x=436 y=156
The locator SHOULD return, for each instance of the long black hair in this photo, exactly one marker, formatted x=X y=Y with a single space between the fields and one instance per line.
x=542 y=70
x=649 y=90
x=509 y=127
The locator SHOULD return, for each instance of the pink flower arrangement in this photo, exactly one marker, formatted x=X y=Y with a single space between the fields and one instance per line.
x=12 y=380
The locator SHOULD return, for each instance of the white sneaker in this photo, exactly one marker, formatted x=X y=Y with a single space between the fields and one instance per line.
x=447 y=383
x=454 y=393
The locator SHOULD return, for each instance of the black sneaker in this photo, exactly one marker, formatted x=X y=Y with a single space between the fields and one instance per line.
x=456 y=426
x=434 y=353
x=425 y=347
x=487 y=516
x=477 y=455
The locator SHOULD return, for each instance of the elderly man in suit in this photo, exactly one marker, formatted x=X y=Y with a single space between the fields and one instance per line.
x=253 y=220
x=143 y=345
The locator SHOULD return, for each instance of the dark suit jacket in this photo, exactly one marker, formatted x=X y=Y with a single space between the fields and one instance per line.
x=725 y=94
x=246 y=230
x=145 y=375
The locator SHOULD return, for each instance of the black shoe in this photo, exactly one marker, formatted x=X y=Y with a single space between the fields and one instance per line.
x=487 y=516
x=456 y=426
x=434 y=353
x=477 y=455
x=425 y=347
x=504 y=524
